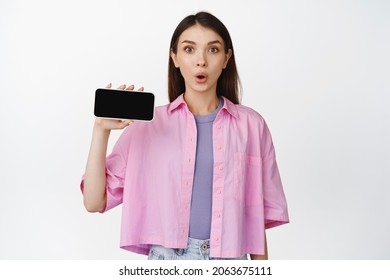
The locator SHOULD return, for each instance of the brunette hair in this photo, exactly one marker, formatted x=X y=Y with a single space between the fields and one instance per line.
x=228 y=82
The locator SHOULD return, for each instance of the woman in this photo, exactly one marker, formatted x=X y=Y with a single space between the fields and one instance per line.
x=200 y=181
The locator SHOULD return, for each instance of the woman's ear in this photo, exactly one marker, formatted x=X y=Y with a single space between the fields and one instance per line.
x=173 y=56
x=227 y=57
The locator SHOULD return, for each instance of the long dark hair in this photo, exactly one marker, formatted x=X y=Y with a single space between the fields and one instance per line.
x=229 y=82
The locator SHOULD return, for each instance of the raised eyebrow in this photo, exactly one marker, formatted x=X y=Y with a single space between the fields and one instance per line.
x=188 y=42
x=209 y=43
x=214 y=42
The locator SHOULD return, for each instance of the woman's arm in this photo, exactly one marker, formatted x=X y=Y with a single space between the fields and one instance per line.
x=95 y=171
x=262 y=257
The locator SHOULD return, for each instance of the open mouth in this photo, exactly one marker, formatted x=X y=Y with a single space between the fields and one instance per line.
x=201 y=77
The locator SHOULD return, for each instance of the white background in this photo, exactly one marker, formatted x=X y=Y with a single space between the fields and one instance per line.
x=317 y=71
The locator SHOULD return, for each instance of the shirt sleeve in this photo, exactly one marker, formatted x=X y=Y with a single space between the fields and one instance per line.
x=115 y=174
x=275 y=203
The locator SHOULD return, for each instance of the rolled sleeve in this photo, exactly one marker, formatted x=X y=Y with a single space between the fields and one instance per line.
x=114 y=182
x=275 y=203
x=115 y=174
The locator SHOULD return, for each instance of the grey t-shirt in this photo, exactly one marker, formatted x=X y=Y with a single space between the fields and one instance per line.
x=201 y=204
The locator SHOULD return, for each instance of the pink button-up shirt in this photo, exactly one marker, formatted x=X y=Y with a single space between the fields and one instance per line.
x=151 y=171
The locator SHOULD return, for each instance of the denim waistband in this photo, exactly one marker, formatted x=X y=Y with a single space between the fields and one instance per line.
x=198 y=243
x=196 y=249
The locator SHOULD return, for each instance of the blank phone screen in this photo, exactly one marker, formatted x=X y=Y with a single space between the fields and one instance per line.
x=124 y=104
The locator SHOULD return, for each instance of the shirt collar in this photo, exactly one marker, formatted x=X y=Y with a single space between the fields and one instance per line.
x=228 y=105
x=176 y=103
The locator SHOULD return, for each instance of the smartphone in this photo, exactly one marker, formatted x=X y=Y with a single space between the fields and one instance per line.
x=124 y=104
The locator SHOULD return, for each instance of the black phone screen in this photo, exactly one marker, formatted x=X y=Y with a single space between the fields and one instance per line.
x=124 y=104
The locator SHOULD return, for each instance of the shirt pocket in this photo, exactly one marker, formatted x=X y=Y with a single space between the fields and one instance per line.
x=248 y=178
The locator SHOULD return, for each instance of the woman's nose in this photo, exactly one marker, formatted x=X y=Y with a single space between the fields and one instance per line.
x=202 y=61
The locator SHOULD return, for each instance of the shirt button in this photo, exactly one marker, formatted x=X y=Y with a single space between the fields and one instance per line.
x=218 y=126
x=220 y=168
x=189 y=160
x=219 y=148
x=219 y=215
x=216 y=238
x=219 y=192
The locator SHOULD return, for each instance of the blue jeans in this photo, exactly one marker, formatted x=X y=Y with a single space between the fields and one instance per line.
x=196 y=250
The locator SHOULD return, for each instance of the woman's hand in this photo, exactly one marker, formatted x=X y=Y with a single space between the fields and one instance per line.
x=108 y=124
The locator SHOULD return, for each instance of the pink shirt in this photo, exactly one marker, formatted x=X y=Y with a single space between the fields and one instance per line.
x=151 y=171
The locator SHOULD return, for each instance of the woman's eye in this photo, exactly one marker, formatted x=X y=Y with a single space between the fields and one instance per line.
x=214 y=50
x=188 y=49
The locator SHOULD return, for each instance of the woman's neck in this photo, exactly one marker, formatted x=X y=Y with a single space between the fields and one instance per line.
x=201 y=103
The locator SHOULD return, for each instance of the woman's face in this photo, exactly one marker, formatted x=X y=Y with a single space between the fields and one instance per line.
x=201 y=58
